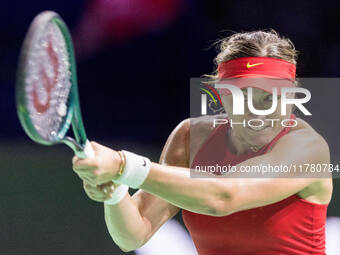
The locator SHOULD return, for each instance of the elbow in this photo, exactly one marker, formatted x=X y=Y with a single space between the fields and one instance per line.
x=126 y=243
x=222 y=204
x=124 y=249
x=221 y=207
x=128 y=246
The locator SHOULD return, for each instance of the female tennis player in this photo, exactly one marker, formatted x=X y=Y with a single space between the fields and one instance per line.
x=283 y=213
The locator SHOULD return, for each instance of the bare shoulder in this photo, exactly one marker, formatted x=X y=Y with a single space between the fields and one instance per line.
x=304 y=141
x=204 y=124
x=176 y=147
x=307 y=139
x=185 y=140
x=305 y=134
x=201 y=128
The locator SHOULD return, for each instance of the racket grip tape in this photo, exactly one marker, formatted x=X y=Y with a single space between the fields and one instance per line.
x=88 y=150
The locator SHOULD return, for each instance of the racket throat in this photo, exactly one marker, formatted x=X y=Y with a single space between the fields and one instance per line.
x=75 y=146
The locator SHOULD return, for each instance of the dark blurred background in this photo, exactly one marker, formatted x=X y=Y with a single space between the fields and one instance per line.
x=135 y=60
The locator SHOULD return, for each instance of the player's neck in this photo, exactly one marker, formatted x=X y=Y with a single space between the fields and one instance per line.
x=238 y=145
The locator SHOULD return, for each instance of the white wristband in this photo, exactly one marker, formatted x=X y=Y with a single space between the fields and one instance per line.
x=117 y=195
x=136 y=170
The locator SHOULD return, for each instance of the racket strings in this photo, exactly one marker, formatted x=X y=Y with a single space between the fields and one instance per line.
x=48 y=82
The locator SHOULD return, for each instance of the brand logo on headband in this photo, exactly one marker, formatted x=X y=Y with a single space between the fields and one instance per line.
x=252 y=65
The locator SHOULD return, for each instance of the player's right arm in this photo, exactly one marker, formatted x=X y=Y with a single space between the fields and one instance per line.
x=133 y=221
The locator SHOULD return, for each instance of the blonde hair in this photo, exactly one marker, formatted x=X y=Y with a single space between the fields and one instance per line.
x=254 y=44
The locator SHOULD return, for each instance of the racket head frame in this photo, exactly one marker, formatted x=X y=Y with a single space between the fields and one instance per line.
x=73 y=115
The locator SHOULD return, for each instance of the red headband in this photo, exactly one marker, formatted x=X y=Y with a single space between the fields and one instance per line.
x=269 y=73
x=256 y=67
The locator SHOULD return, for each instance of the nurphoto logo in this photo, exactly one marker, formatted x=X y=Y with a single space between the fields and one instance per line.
x=239 y=105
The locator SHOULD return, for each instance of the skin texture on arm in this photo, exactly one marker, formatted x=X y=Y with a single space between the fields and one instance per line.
x=135 y=219
x=215 y=196
x=223 y=196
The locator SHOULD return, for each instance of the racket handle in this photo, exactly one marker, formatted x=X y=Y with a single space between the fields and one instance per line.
x=88 y=150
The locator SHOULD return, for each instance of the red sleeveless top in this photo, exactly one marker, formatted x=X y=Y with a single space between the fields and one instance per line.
x=291 y=226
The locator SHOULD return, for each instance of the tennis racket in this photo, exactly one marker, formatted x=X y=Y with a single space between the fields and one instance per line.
x=46 y=86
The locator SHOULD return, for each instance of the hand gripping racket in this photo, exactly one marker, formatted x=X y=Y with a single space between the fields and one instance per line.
x=46 y=86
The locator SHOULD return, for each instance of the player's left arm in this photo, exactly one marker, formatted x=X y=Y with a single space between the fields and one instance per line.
x=223 y=196
x=236 y=191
